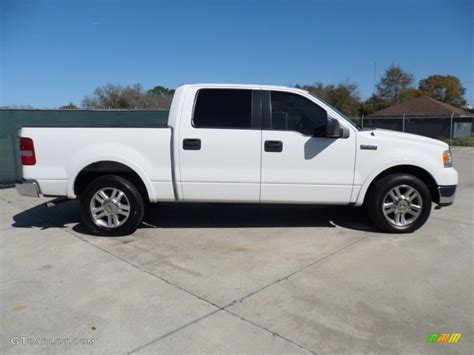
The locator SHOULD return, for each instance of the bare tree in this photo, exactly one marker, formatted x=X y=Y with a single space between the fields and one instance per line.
x=111 y=96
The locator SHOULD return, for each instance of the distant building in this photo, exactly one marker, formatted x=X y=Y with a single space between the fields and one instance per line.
x=424 y=115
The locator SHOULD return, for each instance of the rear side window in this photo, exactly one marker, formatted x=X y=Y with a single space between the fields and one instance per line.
x=292 y=112
x=223 y=108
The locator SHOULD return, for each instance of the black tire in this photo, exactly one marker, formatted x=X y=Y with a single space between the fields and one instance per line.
x=133 y=198
x=380 y=189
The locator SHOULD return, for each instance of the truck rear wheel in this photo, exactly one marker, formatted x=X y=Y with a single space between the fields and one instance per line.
x=111 y=206
x=399 y=203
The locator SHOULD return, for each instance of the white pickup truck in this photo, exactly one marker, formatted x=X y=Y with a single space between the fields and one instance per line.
x=239 y=144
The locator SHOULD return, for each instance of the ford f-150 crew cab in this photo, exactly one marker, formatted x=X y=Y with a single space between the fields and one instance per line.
x=239 y=143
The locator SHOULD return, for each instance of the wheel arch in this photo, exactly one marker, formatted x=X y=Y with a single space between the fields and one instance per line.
x=410 y=169
x=95 y=169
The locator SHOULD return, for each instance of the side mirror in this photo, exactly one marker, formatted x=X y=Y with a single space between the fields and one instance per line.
x=333 y=129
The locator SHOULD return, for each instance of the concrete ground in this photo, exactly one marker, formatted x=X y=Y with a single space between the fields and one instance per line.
x=208 y=278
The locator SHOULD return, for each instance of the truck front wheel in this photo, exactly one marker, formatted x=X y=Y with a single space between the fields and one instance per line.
x=111 y=206
x=399 y=203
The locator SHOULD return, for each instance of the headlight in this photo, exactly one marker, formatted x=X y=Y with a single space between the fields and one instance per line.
x=447 y=159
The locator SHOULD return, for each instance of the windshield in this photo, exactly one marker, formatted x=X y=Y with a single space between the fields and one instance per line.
x=347 y=118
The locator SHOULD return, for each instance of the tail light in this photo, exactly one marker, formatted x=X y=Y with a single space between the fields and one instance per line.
x=27 y=151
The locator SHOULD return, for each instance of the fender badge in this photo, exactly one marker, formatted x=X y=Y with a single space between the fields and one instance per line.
x=368 y=147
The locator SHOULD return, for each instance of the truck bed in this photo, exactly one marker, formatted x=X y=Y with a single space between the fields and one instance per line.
x=62 y=152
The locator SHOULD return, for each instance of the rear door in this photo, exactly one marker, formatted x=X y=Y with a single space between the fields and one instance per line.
x=220 y=140
x=299 y=164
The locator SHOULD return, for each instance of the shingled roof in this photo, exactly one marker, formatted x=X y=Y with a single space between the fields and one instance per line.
x=422 y=106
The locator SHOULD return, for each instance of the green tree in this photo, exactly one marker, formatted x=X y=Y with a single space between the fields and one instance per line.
x=394 y=84
x=445 y=88
x=343 y=96
x=69 y=106
x=409 y=94
x=161 y=91
x=372 y=104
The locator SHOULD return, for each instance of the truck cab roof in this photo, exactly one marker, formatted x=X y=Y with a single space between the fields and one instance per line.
x=245 y=86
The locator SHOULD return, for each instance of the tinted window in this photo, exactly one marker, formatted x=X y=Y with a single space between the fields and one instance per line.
x=292 y=112
x=223 y=108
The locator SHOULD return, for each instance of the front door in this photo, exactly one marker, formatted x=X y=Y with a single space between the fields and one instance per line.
x=299 y=164
x=220 y=139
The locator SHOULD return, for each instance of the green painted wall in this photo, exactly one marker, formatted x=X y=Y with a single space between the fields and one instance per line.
x=12 y=120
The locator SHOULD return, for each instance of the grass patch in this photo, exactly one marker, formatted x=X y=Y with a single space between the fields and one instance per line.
x=460 y=142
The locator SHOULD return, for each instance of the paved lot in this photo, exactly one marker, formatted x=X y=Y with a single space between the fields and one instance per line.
x=244 y=279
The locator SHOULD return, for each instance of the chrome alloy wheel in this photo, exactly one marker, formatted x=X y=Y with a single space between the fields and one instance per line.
x=109 y=207
x=402 y=205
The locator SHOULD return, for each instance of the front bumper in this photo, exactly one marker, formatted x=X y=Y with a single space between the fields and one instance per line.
x=446 y=195
x=27 y=188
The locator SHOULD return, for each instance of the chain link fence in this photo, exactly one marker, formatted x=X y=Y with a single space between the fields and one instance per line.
x=445 y=128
